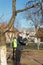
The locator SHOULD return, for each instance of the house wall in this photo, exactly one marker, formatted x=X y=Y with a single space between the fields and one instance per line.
x=38 y=39
x=35 y=40
x=41 y=39
x=9 y=36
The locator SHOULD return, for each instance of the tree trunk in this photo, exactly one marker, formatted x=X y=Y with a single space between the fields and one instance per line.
x=3 y=60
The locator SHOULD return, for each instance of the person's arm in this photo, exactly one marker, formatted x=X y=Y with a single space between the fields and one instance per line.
x=24 y=41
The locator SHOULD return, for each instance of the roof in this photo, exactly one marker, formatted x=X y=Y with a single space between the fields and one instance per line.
x=39 y=33
x=2 y=25
x=28 y=29
x=13 y=29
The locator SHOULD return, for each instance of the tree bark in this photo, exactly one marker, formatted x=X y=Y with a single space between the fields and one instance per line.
x=11 y=22
x=3 y=60
x=24 y=9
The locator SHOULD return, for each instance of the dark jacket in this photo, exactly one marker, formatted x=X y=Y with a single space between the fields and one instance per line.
x=21 y=41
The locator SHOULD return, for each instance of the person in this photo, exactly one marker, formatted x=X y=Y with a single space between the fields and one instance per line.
x=19 y=48
x=14 y=45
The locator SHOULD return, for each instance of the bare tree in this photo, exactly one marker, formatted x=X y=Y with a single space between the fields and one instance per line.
x=34 y=14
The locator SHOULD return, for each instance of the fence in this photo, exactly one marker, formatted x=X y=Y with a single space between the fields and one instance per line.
x=32 y=45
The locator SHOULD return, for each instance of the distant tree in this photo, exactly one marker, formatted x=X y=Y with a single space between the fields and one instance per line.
x=34 y=14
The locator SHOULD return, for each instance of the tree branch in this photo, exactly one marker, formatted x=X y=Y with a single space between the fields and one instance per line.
x=24 y=9
x=14 y=12
x=11 y=22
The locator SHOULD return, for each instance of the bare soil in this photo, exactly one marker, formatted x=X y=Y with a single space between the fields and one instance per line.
x=28 y=57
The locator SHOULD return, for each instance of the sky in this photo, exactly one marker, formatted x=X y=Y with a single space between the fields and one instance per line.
x=6 y=12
